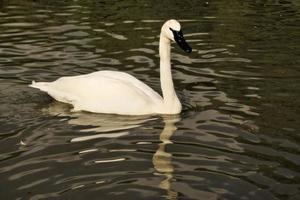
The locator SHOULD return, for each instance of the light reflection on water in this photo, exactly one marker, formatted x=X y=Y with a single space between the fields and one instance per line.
x=235 y=139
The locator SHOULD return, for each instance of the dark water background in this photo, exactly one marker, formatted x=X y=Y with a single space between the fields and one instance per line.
x=238 y=134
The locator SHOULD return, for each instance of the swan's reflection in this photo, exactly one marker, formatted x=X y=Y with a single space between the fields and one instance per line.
x=162 y=160
x=104 y=125
x=111 y=126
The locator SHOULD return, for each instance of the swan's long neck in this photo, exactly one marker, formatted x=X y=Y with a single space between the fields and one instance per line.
x=171 y=102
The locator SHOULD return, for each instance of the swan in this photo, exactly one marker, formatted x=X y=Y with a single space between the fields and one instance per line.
x=120 y=93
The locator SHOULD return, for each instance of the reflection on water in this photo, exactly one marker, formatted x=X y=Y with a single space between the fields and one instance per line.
x=237 y=137
x=162 y=160
x=106 y=126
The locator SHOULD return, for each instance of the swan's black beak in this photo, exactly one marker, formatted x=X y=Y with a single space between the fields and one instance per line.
x=178 y=36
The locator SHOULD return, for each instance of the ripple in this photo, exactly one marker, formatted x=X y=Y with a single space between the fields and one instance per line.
x=235 y=139
x=77 y=34
x=35 y=183
x=117 y=36
x=144 y=50
x=151 y=21
x=106 y=135
x=128 y=21
x=113 y=35
x=142 y=59
x=63 y=28
x=108 y=61
x=109 y=161
x=19 y=24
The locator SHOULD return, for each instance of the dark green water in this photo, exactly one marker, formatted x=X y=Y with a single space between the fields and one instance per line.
x=238 y=134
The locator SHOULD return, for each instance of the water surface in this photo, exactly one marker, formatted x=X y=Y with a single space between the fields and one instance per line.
x=238 y=134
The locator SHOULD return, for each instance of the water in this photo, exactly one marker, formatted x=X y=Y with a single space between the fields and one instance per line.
x=238 y=134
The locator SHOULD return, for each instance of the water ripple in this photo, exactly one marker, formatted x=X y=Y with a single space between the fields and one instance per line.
x=235 y=139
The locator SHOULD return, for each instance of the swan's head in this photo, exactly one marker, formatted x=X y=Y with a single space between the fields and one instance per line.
x=172 y=30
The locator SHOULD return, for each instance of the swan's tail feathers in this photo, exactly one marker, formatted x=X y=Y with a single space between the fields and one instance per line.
x=54 y=92
x=39 y=85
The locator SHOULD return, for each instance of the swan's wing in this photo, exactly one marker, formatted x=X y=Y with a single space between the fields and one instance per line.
x=129 y=79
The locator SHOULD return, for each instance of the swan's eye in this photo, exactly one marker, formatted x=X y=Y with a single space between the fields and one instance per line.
x=177 y=34
x=178 y=37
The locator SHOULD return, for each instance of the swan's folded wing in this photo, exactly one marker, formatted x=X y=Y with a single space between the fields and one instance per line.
x=131 y=80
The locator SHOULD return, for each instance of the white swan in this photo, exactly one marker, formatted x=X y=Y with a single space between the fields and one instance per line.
x=118 y=92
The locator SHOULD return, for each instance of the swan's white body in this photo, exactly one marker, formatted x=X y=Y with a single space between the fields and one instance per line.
x=118 y=92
